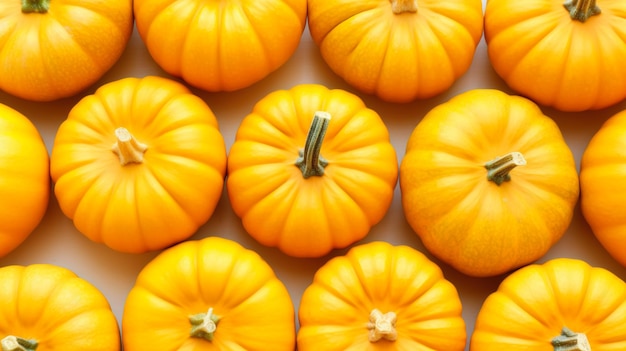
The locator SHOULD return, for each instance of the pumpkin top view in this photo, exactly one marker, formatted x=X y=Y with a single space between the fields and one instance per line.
x=55 y=49
x=565 y=54
x=398 y=50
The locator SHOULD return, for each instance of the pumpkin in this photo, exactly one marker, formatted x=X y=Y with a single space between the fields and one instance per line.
x=311 y=169
x=603 y=190
x=380 y=296
x=44 y=307
x=24 y=179
x=139 y=165
x=54 y=49
x=220 y=45
x=397 y=50
x=563 y=304
x=566 y=54
x=208 y=294
x=488 y=182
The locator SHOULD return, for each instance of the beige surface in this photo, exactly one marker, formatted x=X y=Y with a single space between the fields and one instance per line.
x=56 y=241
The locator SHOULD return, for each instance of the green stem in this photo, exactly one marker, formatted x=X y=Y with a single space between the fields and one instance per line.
x=127 y=148
x=35 y=6
x=581 y=10
x=402 y=6
x=570 y=341
x=499 y=168
x=310 y=162
x=382 y=326
x=14 y=343
x=204 y=325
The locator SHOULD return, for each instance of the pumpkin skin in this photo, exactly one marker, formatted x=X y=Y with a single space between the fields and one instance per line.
x=451 y=200
x=602 y=185
x=254 y=307
x=57 y=309
x=335 y=309
x=174 y=175
x=308 y=216
x=24 y=180
x=535 y=303
x=398 y=50
x=220 y=45
x=541 y=52
x=54 y=49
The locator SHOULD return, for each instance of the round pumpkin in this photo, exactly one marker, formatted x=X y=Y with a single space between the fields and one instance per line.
x=398 y=50
x=220 y=45
x=24 y=178
x=44 y=307
x=603 y=185
x=560 y=305
x=55 y=49
x=380 y=297
x=488 y=182
x=139 y=165
x=208 y=294
x=565 y=54
x=311 y=169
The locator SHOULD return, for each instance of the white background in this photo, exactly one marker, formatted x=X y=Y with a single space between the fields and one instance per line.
x=56 y=241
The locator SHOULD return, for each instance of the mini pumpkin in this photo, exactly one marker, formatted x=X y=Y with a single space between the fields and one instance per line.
x=139 y=165
x=208 y=294
x=312 y=169
x=488 y=182
x=380 y=297
x=563 y=304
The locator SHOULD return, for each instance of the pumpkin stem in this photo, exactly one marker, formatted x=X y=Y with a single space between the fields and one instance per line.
x=35 y=6
x=204 y=325
x=14 y=343
x=382 y=326
x=310 y=162
x=498 y=169
x=127 y=148
x=581 y=10
x=570 y=341
x=402 y=6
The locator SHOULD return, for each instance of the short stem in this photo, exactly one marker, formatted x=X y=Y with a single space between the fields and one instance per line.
x=127 y=148
x=402 y=6
x=204 y=325
x=499 y=168
x=570 y=341
x=310 y=161
x=35 y=6
x=581 y=10
x=382 y=326
x=14 y=343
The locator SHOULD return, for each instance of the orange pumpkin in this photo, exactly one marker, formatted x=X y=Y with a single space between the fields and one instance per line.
x=220 y=45
x=311 y=169
x=24 y=178
x=139 y=165
x=398 y=50
x=565 y=54
x=55 y=49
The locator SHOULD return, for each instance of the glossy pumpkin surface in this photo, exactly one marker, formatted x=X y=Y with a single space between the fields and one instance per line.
x=564 y=54
x=311 y=169
x=24 y=178
x=380 y=297
x=220 y=45
x=398 y=50
x=51 y=49
x=562 y=304
x=603 y=185
x=488 y=182
x=208 y=294
x=48 y=308
x=139 y=165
